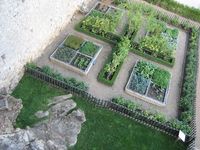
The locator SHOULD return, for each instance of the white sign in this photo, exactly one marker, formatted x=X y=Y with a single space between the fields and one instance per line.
x=181 y=136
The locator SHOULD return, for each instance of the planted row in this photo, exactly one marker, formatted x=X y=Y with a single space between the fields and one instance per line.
x=69 y=81
x=188 y=94
x=175 y=123
x=112 y=66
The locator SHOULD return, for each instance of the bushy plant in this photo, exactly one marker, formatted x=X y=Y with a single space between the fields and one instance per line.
x=138 y=83
x=64 y=54
x=73 y=42
x=69 y=81
x=118 y=56
x=175 y=123
x=100 y=23
x=89 y=48
x=145 y=68
x=126 y=103
x=161 y=78
x=158 y=76
x=188 y=93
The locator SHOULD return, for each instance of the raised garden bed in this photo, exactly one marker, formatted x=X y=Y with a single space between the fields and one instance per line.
x=102 y=23
x=76 y=53
x=158 y=43
x=149 y=83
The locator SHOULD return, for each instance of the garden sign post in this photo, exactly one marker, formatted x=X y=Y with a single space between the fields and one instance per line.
x=181 y=136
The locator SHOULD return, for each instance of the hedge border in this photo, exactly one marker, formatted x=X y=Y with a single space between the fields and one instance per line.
x=149 y=57
x=187 y=12
x=101 y=74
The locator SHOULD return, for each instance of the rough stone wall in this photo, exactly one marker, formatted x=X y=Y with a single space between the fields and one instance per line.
x=26 y=28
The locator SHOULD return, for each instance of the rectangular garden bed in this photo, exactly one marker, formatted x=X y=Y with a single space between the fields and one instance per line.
x=149 y=83
x=101 y=23
x=159 y=43
x=76 y=53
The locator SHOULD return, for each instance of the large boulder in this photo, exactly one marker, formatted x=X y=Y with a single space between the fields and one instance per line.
x=57 y=132
x=8 y=116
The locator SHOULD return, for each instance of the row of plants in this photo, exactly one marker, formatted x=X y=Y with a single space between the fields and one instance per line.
x=76 y=51
x=69 y=81
x=101 y=25
x=173 y=6
x=188 y=94
x=110 y=70
x=149 y=80
x=174 y=123
x=81 y=61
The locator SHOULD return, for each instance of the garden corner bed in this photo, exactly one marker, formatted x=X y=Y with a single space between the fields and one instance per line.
x=149 y=83
x=101 y=22
x=159 y=42
x=76 y=53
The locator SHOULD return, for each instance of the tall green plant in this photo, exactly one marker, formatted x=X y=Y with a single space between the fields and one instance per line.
x=118 y=56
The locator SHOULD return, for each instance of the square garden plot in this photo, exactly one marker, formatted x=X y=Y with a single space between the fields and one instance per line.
x=76 y=53
x=157 y=41
x=148 y=82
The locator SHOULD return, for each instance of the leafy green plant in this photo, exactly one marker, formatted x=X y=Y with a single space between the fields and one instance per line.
x=64 y=54
x=145 y=68
x=174 y=123
x=100 y=23
x=161 y=78
x=89 y=48
x=118 y=56
x=178 y=8
x=188 y=94
x=69 y=81
x=138 y=83
x=73 y=42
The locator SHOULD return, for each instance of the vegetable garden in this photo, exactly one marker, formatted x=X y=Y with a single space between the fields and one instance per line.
x=76 y=53
x=149 y=80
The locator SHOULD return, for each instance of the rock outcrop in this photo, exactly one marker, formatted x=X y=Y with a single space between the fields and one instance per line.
x=57 y=132
x=9 y=115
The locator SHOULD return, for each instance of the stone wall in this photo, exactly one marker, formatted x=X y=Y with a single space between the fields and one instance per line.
x=26 y=28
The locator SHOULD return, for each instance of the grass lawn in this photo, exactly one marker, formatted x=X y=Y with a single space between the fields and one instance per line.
x=35 y=96
x=103 y=129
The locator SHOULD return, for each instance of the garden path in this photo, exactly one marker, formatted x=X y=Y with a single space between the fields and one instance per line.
x=105 y=92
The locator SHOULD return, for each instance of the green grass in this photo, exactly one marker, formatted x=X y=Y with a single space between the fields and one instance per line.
x=35 y=96
x=103 y=129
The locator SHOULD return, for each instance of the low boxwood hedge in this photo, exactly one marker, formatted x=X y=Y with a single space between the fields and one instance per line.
x=173 y=6
x=152 y=58
x=101 y=74
x=69 y=81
